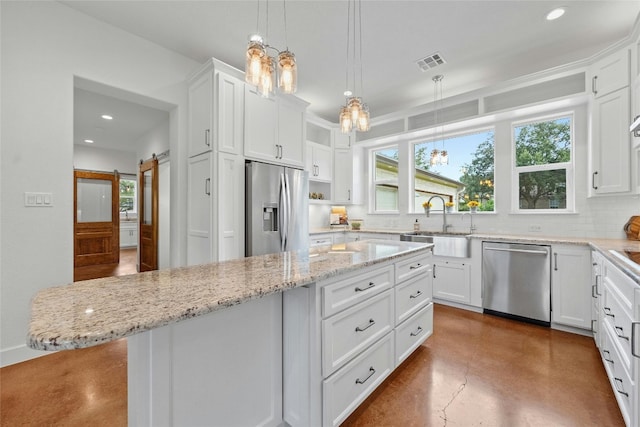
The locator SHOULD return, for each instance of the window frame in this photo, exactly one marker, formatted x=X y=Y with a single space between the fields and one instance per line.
x=374 y=182
x=569 y=167
x=134 y=211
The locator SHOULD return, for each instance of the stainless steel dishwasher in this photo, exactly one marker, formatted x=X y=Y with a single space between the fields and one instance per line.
x=516 y=281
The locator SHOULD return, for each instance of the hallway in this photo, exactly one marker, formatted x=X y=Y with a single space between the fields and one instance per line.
x=476 y=370
x=127 y=265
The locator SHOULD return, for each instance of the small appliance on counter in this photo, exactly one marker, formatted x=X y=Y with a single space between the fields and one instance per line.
x=338 y=216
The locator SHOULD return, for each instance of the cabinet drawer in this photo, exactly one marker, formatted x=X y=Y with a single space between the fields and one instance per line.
x=413 y=332
x=618 y=320
x=350 y=332
x=413 y=294
x=623 y=283
x=351 y=290
x=320 y=240
x=412 y=267
x=619 y=377
x=344 y=391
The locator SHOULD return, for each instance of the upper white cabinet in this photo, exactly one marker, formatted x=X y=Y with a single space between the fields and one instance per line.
x=200 y=114
x=274 y=128
x=216 y=108
x=571 y=286
x=343 y=177
x=342 y=140
x=610 y=165
x=319 y=162
x=610 y=74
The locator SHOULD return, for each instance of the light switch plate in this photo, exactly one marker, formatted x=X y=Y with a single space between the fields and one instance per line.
x=32 y=199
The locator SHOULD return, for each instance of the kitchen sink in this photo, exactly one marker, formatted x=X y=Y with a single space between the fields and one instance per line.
x=445 y=244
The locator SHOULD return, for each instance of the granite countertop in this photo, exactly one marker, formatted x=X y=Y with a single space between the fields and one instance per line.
x=92 y=312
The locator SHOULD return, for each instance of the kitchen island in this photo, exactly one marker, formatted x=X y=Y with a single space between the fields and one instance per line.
x=222 y=344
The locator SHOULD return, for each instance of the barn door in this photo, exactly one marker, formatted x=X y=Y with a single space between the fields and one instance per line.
x=96 y=220
x=148 y=215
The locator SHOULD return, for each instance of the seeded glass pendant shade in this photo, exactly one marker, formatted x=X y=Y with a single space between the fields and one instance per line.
x=266 y=76
x=345 y=120
x=253 y=67
x=363 y=124
x=288 y=72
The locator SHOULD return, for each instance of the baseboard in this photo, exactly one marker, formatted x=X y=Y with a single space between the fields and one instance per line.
x=20 y=353
x=458 y=305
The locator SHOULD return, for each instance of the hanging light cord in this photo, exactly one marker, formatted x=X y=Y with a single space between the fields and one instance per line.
x=284 y=8
x=348 y=37
x=360 y=45
x=258 y=20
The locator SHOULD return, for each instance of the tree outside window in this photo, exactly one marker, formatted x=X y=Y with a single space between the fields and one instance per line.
x=128 y=196
x=543 y=164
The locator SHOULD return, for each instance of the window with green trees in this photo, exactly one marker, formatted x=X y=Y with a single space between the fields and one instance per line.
x=543 y=164
x=128 y=195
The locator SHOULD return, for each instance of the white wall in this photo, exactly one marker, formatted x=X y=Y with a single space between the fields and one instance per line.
x=43 y=45
x=155 y=141
x=104 y=159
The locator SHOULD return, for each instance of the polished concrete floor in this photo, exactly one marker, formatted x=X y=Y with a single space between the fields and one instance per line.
x=476 y=370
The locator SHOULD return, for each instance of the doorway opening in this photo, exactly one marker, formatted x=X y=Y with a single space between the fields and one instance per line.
x=115 y=130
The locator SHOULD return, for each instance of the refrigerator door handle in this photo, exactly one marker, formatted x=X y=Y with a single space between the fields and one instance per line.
x=282 y=220
x=287 y=187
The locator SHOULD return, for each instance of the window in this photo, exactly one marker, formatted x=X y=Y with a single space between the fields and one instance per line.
x=386 y=179
x=543 y=165
x=468 y=175
x=128 y=195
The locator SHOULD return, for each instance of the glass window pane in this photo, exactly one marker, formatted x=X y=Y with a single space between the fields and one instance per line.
x=146 y=181
x=386 y=164
x=543 y=189
x=128 y=195
x=543 y=143
x=386 y=198
x=94 y=200
x=467 y=172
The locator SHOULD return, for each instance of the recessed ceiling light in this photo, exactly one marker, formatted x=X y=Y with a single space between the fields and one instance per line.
x=89 y=141
x=107 y=117
x=555 y=13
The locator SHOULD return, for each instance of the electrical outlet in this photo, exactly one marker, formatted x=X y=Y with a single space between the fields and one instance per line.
x=535 y=228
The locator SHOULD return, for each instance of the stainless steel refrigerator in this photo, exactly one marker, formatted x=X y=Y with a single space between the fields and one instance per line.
x=276 y=209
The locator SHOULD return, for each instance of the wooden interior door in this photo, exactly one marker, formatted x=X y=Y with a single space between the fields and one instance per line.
x=96 y=219
x=148 y=214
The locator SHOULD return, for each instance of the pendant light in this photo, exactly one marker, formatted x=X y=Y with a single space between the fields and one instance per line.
x=438 y=157
x=355 y=113
x=260 y=66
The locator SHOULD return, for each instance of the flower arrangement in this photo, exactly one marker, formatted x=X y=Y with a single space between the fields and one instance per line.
x=473 y=204
x=426 y=205
x=449 y=204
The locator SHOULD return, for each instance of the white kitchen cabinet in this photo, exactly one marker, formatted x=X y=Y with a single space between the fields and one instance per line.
x=610 y=164
x=610 y=74
x=319 y=162
x=229 y=114
x=597 y=268
x=199 y=210
x=200 y=123
x=128 y=234
x=451 y=280
x=274 y=128
x=229 y=205
x=357 y=236
x=320 y=239
x=343 y=177
x=342 y=337
x=571 y=286
x=342 y=140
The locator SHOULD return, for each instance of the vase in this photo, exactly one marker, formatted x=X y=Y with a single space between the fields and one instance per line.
x=474 y=209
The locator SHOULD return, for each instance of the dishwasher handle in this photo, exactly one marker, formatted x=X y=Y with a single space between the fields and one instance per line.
x=523 y=251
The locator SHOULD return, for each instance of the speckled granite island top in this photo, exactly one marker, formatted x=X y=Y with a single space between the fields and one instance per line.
x=92 y=312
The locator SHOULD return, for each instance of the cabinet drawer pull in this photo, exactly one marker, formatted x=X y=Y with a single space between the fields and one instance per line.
x=619 y=328
x=371 y=372
x=593 y=327
x=555 y=261
x=608 y=357
x=619 y=380
x=371 y=285
x=594 y=85
x=207 y=186
x=607 y=311
x=598 y=277
x=593 y=180
x=417 y=332
x=593 y=291
x=364 y=328
x=207 y=137
x=413 y=267
x=416 y=295
x=633 y=339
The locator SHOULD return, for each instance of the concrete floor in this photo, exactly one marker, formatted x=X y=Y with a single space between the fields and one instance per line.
x=476 y=370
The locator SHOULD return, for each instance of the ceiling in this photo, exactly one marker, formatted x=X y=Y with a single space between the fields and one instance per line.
x=130 y=121
x=483 y=42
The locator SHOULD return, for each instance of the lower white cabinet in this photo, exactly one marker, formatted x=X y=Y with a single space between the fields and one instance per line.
x=320 y=239
x=128 y=234
x=451 y=280
x=571 y=286
x=343 y=336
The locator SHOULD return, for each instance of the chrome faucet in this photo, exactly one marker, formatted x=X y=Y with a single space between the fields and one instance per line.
x=445 y=226
x=472 y=228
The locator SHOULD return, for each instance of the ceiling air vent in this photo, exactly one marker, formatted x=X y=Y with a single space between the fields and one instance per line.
x=430 y=61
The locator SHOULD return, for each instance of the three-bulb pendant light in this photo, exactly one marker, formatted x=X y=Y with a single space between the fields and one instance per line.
x=354 y=114
x=260 y=69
